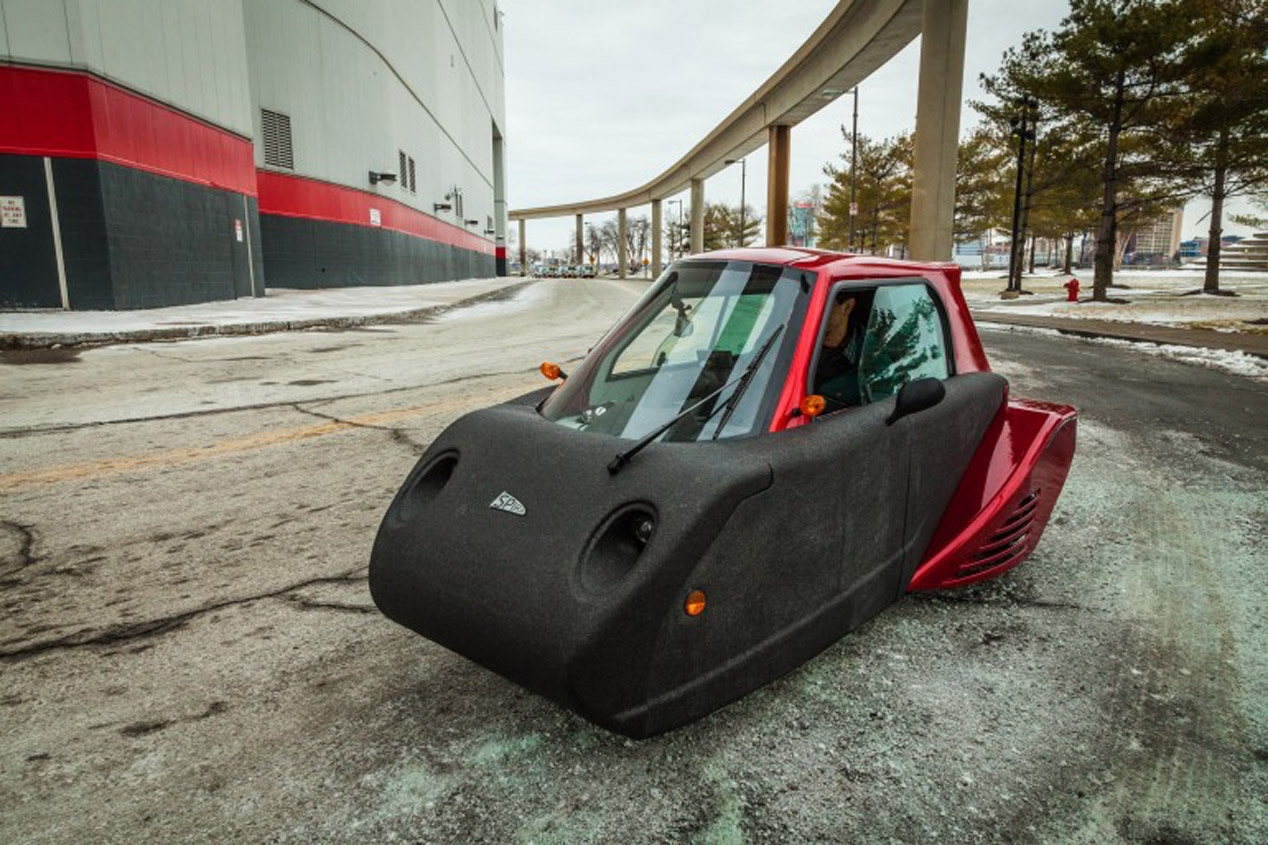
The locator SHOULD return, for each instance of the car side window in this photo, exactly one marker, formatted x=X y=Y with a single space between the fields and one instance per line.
x=904 y=341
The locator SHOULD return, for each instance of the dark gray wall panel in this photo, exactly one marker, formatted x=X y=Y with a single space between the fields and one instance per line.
x=309 y=254
x=28 y=262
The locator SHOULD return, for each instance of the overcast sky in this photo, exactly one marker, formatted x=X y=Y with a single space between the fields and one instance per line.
x=602 y=96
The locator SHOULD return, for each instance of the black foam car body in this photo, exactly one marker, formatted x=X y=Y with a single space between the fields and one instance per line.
x=769 y=449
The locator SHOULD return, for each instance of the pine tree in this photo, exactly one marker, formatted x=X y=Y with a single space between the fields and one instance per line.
x=1111 y=71
x=1220 y=126
x=883 y=194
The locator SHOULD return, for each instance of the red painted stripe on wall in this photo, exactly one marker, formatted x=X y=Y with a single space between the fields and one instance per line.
x=69 y=114
x=296 y=196
x=501 y=252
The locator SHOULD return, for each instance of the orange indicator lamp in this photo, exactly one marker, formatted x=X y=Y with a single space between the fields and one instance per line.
x=553 y=371
x=812 y=406
x=695 y=603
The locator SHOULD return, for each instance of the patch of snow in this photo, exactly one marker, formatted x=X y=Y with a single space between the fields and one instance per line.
x=279 y=305
x=1238 y=363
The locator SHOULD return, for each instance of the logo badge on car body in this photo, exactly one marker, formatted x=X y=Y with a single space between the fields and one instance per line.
x=510 y=504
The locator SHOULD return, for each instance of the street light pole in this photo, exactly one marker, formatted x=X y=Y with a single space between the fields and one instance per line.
x=854 y=166
x=743 y=180
x=674 y=242
x=1021 y=129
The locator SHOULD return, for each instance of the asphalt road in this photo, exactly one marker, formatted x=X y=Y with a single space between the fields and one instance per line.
x=188 y=651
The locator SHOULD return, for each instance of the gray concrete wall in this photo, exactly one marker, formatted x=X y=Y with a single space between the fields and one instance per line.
x=190 y=54
x=361 y=81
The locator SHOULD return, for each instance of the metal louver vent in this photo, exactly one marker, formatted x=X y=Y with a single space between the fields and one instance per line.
x=277 y=139
x=413 y=185
x=404 y=178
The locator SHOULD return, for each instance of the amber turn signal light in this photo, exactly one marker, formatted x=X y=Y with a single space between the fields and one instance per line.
x=812 y=406
x=552 y=371
x=695 y=603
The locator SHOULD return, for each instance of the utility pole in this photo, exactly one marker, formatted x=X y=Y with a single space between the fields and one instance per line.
x=1024 y=133
x=854 y=166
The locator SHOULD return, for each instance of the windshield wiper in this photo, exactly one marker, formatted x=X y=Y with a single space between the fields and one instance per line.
x=745 y=380
x=742 y=381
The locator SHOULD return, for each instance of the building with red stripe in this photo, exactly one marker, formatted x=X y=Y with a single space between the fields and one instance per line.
x=166 y=152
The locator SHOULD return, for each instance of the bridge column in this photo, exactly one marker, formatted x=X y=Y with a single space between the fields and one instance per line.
x=777 y=185
x=581 y=241
x=523 y=251
x=937 y=129
x=622 y=257
x=697 y=216
x=656 y=239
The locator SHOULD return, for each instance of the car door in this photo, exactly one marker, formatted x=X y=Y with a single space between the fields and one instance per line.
x=907 y=339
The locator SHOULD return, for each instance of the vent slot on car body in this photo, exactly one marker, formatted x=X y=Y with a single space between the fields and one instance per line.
x=1007 y=544
x=615 y=547
x=425 y=486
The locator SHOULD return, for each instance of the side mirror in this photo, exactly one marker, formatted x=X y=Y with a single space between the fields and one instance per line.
x=917 y=396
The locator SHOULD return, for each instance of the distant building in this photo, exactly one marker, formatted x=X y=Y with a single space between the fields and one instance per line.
x=163 y=152
x=1158 y=237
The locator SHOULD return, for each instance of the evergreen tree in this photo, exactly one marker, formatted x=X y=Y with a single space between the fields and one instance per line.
x=1220 y=126
x=1110 y=70
x=883 y=194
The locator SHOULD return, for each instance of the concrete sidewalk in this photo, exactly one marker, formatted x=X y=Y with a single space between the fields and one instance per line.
x=1247 y=342
x=281 y=310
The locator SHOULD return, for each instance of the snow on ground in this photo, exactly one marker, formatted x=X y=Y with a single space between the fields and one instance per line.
x=279 y=305
x=1156 y=297
x=1238 y=363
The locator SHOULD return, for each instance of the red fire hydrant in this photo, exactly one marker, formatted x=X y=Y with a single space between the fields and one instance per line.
x=1072 y=290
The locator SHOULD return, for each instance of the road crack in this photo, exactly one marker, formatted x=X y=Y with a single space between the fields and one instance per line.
x=25 y=556
x=116 y=634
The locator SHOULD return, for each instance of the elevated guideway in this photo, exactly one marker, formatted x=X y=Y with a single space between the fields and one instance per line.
x=854 y=40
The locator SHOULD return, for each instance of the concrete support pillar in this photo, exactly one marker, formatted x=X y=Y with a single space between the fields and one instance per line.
x=581 y=241
x=656 y=227
x=622 y=256
x=937 y=129
x=523 y=251
x=697 y=216
x=777 y=185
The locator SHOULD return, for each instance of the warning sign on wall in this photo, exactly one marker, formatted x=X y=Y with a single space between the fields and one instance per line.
x=12 y=213
x=376 y=219
x=237 y=229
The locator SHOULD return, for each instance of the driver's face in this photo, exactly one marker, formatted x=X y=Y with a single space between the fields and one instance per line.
x=838 y=323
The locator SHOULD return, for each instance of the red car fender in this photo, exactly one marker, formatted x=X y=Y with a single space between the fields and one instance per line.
x=1004 y=501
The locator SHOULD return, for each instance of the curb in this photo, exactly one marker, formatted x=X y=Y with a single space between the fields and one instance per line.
x=14 y=341
x=1076 y=331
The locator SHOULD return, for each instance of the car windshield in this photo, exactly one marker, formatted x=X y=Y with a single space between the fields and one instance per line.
x=696 y=330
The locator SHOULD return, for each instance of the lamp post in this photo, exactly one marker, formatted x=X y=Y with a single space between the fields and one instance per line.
x=743 y=181
x=675 y=244
x=854 y=170
x=1023 y=129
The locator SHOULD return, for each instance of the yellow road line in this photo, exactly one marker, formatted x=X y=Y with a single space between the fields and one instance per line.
x=178 y=457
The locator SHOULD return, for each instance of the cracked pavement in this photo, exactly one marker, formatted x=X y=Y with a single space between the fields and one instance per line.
x=190 y=653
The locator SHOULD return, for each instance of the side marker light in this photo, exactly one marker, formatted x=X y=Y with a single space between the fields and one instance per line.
x=695 y=603
x=812 y=406
x=552 y=371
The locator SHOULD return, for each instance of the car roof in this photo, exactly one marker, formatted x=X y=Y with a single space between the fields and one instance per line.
x=821 y=259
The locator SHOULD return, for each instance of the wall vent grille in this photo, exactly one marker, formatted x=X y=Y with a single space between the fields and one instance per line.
x=413 y=185
x=277 y=139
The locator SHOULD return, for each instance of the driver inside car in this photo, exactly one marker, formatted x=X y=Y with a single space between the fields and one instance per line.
x=837 y=373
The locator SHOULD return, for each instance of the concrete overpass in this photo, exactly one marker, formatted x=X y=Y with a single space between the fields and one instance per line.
x=856 y=38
